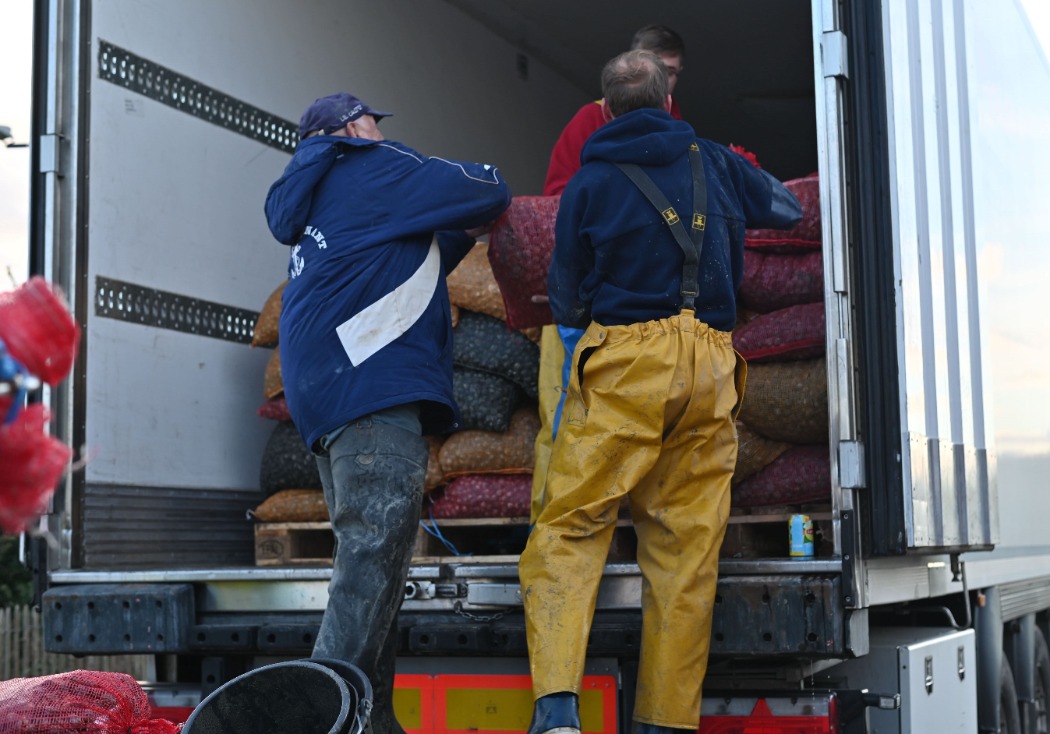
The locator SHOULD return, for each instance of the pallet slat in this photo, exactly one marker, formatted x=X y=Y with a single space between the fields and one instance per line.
x=759 y=534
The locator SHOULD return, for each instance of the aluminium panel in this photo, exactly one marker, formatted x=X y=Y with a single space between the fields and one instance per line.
x=948 y=493
x=933 y=670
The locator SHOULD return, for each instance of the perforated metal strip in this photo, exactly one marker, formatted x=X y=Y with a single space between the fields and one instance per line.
x=125 y=69
x=115 y=299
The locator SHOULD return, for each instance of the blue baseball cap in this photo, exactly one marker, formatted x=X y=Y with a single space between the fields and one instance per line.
x=333 y=112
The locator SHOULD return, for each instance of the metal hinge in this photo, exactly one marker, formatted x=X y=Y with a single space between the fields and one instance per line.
x=851 y=465
x=49 y=146
x=835 y=54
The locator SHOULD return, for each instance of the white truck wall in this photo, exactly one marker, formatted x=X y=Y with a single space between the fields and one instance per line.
x=175 y=202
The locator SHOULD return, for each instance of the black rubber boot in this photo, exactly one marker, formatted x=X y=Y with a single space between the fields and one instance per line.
x=373 y=480
x=640 y=728
x=557 y=713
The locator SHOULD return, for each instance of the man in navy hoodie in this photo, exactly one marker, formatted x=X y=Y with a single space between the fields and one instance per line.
x=366 y=350
x=648 y=258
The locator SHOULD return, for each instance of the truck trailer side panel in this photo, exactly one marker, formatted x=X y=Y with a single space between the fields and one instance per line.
x=187 y=123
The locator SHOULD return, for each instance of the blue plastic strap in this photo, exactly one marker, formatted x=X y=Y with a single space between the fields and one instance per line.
x=435 y=531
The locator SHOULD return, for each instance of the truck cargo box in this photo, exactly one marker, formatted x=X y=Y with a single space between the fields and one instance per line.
x=159 y=129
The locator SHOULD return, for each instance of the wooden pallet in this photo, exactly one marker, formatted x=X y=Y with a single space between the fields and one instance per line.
x=756 y=534
x=312 y=543
x=293 y=544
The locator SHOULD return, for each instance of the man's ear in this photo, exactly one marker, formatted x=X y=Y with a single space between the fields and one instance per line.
x=350 y=129
x=667 y=104
x=607 y=114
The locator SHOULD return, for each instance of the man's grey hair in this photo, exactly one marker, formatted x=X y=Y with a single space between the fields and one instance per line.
x=634 y=80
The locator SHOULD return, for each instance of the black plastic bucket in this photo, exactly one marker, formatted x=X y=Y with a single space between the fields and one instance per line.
x=360 y=690
x=296 y=697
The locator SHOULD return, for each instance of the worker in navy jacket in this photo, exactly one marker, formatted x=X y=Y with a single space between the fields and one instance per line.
x=366 y=350
x=648 y=257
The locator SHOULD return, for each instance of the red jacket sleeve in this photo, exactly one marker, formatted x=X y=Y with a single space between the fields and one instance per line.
x=565 y=158
x=675 y=112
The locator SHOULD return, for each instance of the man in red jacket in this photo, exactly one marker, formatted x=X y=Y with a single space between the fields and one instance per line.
x=565 y=158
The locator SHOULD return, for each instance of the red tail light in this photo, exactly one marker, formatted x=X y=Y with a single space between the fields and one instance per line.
x=806 y=715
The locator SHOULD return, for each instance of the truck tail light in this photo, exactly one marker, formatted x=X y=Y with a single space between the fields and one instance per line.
x=803 y=715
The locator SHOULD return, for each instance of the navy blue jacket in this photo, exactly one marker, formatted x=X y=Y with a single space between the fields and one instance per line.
x=616 y=261
x=365 y=319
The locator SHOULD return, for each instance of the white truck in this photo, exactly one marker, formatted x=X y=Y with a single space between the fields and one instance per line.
x=158 y=128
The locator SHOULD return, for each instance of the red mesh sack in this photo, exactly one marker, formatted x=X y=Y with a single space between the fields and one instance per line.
x=78 y=702
x=800 y=474
x=38 y=330
x=796 y=332
x=483 y=495
x=33 y=462
x=805 y=235
x=520 y=248
x=275 y=409
x=741 y=150
x=775 y=280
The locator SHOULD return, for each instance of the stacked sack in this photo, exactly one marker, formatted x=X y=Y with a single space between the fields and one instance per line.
x=485 y=469
x=783 y=456
x=288 y=476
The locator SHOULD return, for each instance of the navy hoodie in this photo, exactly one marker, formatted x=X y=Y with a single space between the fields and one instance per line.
x=365 y=320
x=616 y=261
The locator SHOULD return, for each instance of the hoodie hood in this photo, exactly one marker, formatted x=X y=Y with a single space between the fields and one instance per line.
x=290 y=197
x=647 y=137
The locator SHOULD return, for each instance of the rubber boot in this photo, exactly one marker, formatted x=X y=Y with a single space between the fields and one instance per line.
x=373 y=484
x=557 y=713
x=640 y=728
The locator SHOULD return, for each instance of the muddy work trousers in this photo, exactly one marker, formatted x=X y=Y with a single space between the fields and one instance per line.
x=650 y=416
x=373 y=483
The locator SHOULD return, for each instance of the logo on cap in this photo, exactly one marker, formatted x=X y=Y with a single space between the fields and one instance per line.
x=352 y=114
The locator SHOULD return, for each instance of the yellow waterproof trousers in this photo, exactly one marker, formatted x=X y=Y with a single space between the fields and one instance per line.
x=650 y=415
x=552 y=356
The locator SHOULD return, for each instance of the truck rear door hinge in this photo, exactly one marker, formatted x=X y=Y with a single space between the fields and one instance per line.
x=835 y=54
x=50 y=148
x=851 y=465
